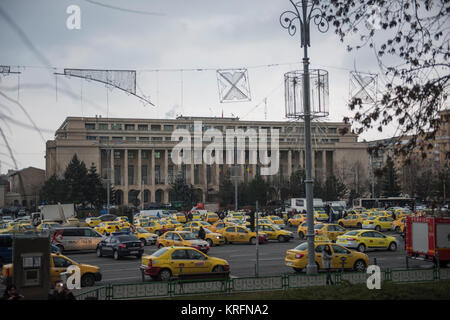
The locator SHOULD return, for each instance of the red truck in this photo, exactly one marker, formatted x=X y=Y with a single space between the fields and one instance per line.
x=428 y=238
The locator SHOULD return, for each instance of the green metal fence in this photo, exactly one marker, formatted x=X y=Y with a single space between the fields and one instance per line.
x=155 y=289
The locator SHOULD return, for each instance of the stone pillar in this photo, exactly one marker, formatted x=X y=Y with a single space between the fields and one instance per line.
x=192 y=168
x=111 y=174
x=289 y=163
x=139 y=177
x=152 y=166
x=125 y=178
x=323 y=164
x=166 y=167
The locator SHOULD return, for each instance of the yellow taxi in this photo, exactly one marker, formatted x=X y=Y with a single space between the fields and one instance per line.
x=181 y=239
x=275 y=233
x=93 y=221
x=366 y=239
x=378 y=223
x=23 y=227
x=235 y=221
x=236 y=215
x=380 y=213
x=107 y=227
x=297 y=219
x=213 y=238
x=353 y=220
x=242 y=234
x=211 y=217
x=180 y=217
x=196 y=215
x=320 y=215
x=301 y=230
x=172 y=223
x=219 y=225
x=331 y=230
x=276 y=220
x=197 y=224
x=156 y=226
x=145 y=236
x=297 y=258
x=399 y=225
x=6 y=227
x=59 y=264
x=170 y=262
x=47 y=225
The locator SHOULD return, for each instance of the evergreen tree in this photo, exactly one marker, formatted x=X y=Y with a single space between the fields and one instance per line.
x=76 y=179
x=257 y=190
x=181 y=191
x=390 y=185
x=297 y=184
x=95 y=191
x=318 y=189
x=334 y=189
x=54 y=190
x=226 y=190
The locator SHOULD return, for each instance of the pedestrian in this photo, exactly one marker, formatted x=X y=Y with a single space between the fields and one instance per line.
x=11 y=293
x=61 y=292
x=202 y=233
x=327 y=256
x=190 y=216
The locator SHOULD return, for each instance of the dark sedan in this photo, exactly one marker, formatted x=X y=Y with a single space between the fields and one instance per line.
x=120 y=245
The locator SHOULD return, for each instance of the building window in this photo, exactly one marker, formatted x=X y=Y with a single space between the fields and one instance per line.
x=142 y=127
x=158 y=174
x=91 y=137
x=117 y=174
x=144 y=154
x=129 y=127
x=116 y=126
x=288 y=129
x=130 y=175
x=157 y=154
x=116 y=154
x=156 y=127
x=168 y=139
x=332 y=130
x=170 y=174
x=104 y=138
x=168 y=127
x=144 y=139
x=334 y=140
x=157 y=138
x=89 y=126
x=181 y=126
x=131 y=155
x=102 y=126
x=130 y=138
x=117 y=138
x=300 y=129
x=220 y=128
x=144 y=170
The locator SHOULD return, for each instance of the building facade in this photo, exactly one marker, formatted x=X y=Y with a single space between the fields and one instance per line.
x=23 y=189
x=137 y=153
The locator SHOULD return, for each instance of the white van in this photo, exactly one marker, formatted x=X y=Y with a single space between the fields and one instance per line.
x=299 y=204
x=153 y=213
x=75 y=238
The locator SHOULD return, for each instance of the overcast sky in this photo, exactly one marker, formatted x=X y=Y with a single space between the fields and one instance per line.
x=172 y=34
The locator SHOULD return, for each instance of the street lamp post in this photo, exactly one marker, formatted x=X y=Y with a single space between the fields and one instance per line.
x=305 y=12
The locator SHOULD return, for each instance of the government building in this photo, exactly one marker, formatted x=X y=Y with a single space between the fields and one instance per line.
x=136 y=153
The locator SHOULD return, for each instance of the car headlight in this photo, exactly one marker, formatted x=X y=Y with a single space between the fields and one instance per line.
x=217 y=237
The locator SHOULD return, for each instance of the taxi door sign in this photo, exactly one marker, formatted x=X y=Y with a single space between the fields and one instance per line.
x=57 y=237
x=199 y=264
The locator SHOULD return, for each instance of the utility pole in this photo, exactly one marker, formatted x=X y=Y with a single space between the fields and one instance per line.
x=303 y=109
x=257 y=240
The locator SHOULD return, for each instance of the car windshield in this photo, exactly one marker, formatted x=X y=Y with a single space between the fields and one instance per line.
x=188 y=236
x=318 y=226
x=302 y=247
x=207 y=230
x=163 y=222
x=159 y=252
x=141 y=230
x=27 y=226
x=371 y=218
x=276 y=227
x=352 y=233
